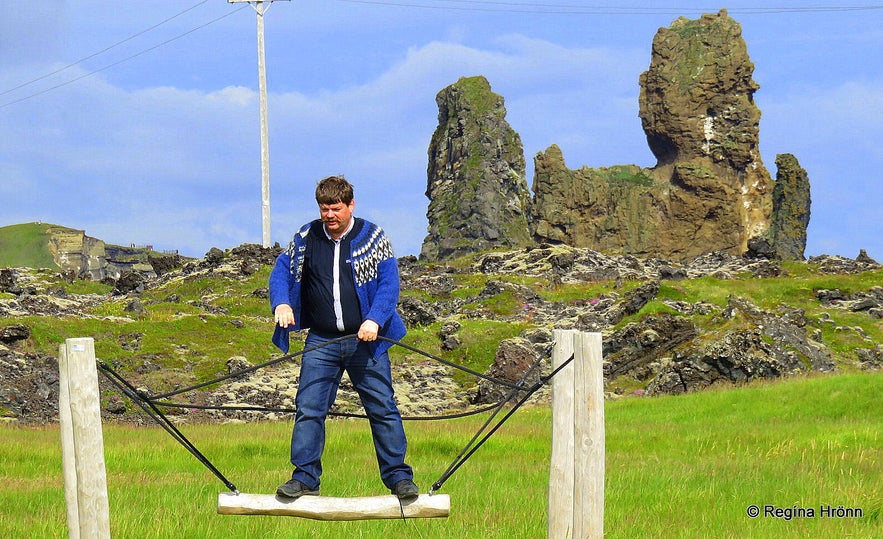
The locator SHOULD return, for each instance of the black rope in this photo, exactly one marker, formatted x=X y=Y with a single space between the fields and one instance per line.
x=150 y=404
x=288 y=357
x=160 y=400
x=451 y=364
x=499 y=406
x=157 y=415
x=255 y=408
x=248 y=370
x=470 y=449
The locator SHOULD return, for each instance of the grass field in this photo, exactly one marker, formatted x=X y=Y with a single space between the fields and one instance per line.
x=25 y=245
x=678 y=466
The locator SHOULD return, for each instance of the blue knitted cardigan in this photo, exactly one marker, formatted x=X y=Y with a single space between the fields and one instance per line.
x=375 y=273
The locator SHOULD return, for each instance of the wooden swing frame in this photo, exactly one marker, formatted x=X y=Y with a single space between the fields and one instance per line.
x=576 y=482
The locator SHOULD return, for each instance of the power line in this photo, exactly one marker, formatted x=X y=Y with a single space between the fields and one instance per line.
x=497 y=6
x=580 y=9
x=114 y=64
x=102 y=51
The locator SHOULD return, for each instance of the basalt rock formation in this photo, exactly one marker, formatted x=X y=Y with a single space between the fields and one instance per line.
x=697 y=109
x=476 y=187
x=709 y=190
x=696 y=97
x=615 y=209
x=791 y=200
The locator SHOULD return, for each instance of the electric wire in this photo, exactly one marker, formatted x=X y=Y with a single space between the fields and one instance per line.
x=113 y=64
x=581 y=9
x=102 y=51
x=450 y=5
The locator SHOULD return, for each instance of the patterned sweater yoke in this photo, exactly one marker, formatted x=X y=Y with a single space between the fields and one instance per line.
x=369 y=248
x=375 y=273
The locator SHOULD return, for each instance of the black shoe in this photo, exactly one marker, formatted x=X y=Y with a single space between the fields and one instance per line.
x=406 y=490
x=295 y=489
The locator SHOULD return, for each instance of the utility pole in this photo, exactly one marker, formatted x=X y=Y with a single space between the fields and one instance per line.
x=261 y=7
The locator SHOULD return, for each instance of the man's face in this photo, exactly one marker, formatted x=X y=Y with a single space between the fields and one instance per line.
x=336 y=217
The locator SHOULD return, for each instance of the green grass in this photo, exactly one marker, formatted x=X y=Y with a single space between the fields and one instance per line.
x=805 y=443
x=25 y=245
x=679 y=466
x=628 y=174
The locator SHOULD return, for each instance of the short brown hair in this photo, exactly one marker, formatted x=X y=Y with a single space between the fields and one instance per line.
x=334 y=189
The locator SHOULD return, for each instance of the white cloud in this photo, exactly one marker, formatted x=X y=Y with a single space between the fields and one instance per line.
x=379 y=132
x=180 y=167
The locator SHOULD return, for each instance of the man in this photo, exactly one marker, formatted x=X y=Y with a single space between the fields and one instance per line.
x=339 y=277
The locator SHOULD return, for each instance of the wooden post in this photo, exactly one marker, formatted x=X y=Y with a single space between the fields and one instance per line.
x=82 y=442
x=560 y=508
x=588 y=448
x=67 y=446
x=576 y=479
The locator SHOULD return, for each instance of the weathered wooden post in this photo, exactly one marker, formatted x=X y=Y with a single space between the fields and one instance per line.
x=560 y=508
x=588 y=448
x=82 y=442
x=576 y=479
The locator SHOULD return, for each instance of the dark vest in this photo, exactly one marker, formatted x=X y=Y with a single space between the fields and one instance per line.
x=318 y=283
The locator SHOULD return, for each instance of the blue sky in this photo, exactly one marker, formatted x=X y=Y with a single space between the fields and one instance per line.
x=140 y=123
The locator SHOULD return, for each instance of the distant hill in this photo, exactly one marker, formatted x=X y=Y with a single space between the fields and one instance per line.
x=46 y=245
x=26 y=246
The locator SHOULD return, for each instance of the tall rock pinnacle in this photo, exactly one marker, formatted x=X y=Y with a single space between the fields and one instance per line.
x=698 y=112
x=475 y=177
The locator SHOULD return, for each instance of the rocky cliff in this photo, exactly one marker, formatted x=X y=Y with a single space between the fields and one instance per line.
x=709 y=190
x=78 y=255
x=475 y=177
x=616 y=209
x=76 y=252
x=697 y=109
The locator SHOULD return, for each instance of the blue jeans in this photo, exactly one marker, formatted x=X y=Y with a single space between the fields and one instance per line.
x=320 y=374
